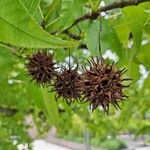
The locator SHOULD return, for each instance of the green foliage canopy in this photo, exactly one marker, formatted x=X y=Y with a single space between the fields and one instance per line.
x=26 y=26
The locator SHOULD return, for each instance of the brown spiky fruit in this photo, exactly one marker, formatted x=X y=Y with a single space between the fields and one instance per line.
x=102 y=84
x=41 y=67
x=66 y=85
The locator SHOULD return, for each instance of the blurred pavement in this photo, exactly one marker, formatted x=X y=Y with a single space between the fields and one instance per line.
x=42 y=145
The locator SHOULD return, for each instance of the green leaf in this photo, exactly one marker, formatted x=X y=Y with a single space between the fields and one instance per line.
x=6 y=57
x=91 y=39
x=3 y=133
x=53 y=26
x=132 y=66
x=31 y=5
x=133 y=71
x=45 y=101
x=70 y=9
x=20 y=29
x=94 y=4
x=35 y=94
x=147 y=25
x=144 y=130
x=135 y=17
x=6 y=63
x=147 y=82
x=143 y=55
x=109 y=38
x=51 y=107
x=122 y=30
x=51 y=8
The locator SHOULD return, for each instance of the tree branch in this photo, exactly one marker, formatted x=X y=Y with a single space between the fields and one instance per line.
x=71 y=35
x=114 y=5
x=8 y=111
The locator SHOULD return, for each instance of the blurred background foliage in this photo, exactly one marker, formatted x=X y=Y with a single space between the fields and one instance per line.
x=125 y=39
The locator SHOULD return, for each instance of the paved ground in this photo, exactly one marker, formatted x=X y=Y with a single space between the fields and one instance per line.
x=51 y=143
x=42 y=145
x=132 y=143
x=143 y=148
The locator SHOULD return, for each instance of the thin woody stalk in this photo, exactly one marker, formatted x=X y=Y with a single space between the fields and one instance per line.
x=114 y=5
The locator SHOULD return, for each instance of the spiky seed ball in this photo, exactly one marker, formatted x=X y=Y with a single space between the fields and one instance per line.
x=41 y=67
x=66 y=85
x=102 y=84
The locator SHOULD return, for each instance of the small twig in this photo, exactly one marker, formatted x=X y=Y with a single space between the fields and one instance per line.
x=99 y=36
x=114 y=5
x=71 y=35
x=8 y=111
x=14 y=49
x=79 y=29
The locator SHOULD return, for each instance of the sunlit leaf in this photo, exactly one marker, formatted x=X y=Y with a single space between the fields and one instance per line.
x=108 y=37
x=51 y=8
x=70 y=9
x=20 y=29
x=135 y=18
x=144 y=130
x=143 y=55
x=31 y=5
x=51 y=108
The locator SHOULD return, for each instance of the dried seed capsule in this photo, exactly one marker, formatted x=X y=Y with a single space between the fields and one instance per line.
x=102 y=84
x=41 y=67
x=66 y=85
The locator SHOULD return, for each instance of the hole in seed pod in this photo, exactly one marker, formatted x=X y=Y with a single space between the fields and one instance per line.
x=104 y=82
x=68 y=71
x=114 y=77
x=42 y=68
x=72 y=77
x=119 y=85
x=107 y=71
x=68 y=92
x=87 y=83
x=40 y=75
x=59 y=84
x=88 y=94
x=99 y=88
x=49 y=76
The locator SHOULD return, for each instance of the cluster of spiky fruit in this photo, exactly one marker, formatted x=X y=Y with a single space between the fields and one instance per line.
x=100 y=85
x=41 y=67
